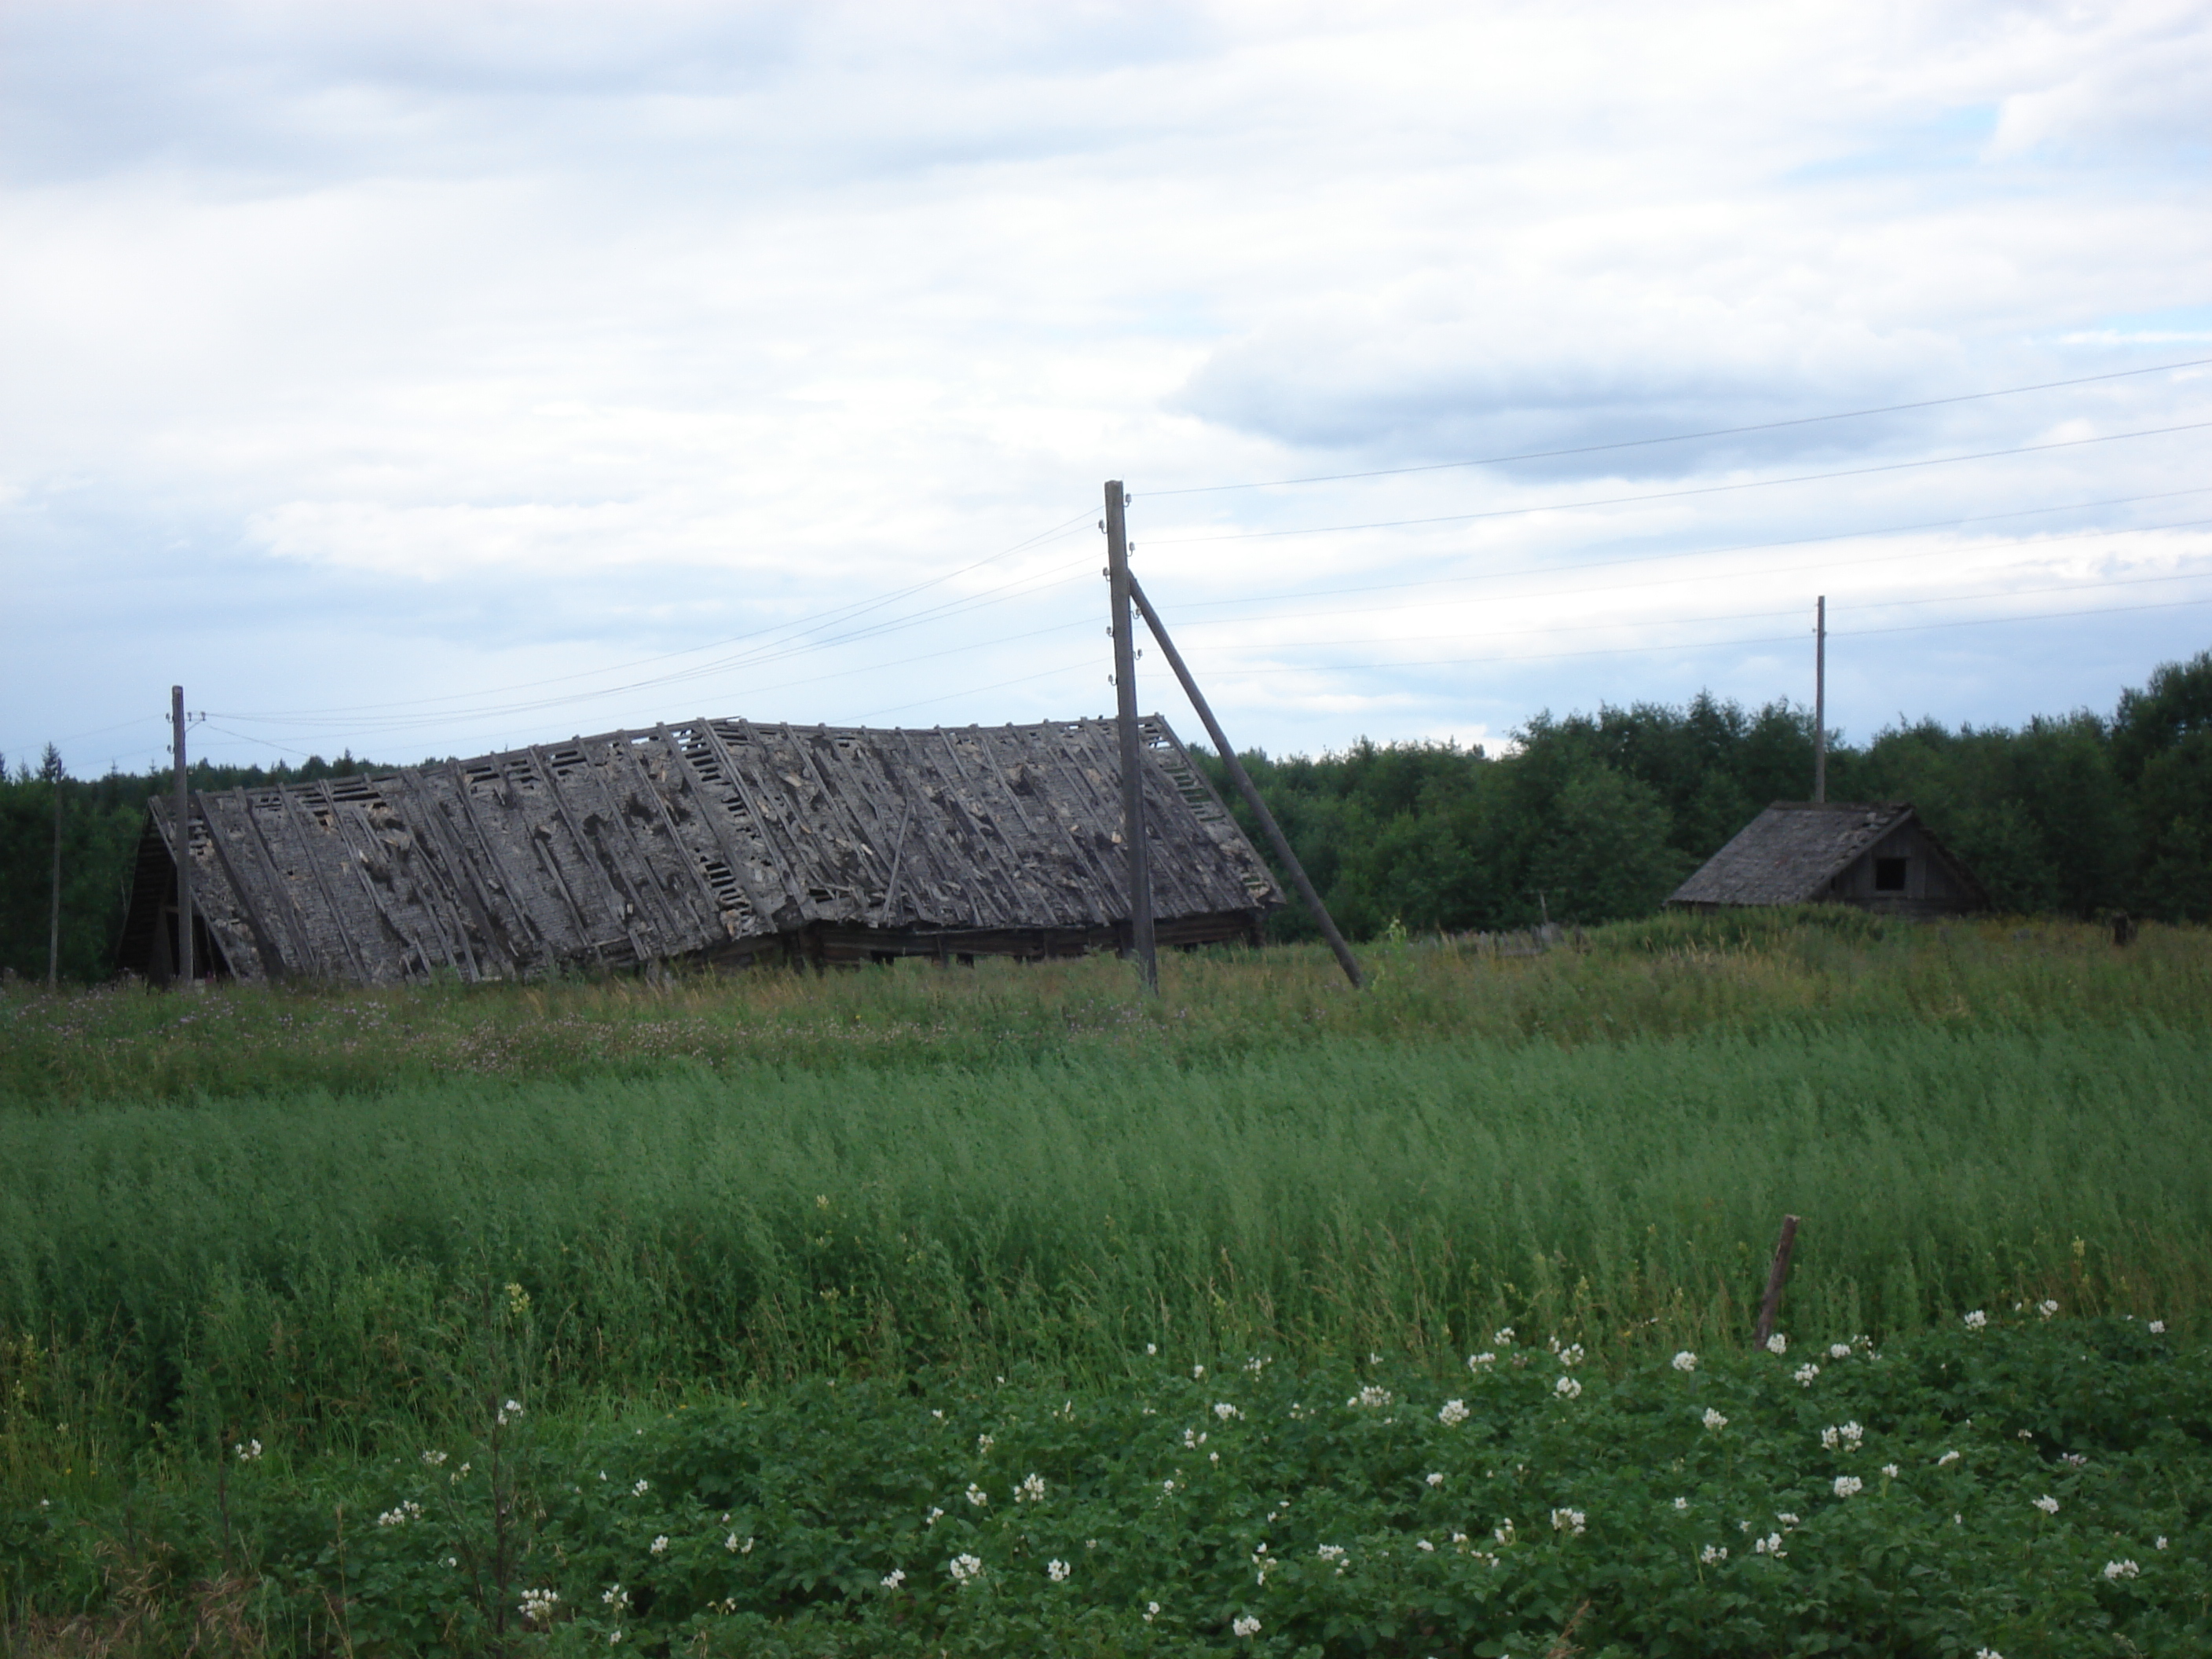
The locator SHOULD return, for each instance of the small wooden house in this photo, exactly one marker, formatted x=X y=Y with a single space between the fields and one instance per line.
x=719 y=842
x=1879 y=857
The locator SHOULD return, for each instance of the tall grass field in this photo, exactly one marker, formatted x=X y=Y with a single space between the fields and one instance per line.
x=343 y=1227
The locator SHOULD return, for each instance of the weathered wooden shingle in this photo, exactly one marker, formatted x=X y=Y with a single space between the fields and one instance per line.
x=715 y=839
x=1800 y=853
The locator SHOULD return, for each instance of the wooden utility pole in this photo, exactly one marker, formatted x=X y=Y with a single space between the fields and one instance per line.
x=181 y=837
x=1245 y=787
x=1821 y=699
x=54 y=914
x=1125 y=702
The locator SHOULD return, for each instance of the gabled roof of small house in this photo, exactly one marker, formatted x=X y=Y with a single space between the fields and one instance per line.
x=690 y=841
x=1790 y=852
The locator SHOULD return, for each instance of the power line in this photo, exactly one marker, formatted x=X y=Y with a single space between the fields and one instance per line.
x=1698 y=576
x=1734 y=547
x=1683 y=437
x=1715 y=645
x=1678 y=494
x=835 y=616
x=1739 y=616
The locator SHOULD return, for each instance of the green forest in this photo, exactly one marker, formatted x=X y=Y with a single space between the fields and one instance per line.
x=1582 y=819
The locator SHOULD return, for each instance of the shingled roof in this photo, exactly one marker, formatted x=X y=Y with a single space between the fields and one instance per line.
x=1789 y=853
x=711 y=841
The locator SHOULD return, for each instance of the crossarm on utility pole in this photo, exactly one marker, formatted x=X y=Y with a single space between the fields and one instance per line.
x=1243 y=779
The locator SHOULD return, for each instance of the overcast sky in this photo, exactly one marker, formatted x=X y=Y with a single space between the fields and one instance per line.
x=427 y=379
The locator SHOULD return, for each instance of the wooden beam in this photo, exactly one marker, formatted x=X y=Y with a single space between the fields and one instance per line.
x=1245 y=787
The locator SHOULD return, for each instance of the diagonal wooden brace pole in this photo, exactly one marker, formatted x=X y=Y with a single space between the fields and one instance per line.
x=1243 y=779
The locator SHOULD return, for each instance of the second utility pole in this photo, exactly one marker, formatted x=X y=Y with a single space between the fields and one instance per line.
x=1821 y=699
x=1132 y=750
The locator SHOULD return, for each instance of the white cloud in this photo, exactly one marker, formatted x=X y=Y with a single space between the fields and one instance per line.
x=499 y=340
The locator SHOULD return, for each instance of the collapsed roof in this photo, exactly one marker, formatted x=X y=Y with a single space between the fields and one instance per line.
x=719 y=840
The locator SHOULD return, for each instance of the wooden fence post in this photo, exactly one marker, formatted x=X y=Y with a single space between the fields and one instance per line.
x=1775 y=1274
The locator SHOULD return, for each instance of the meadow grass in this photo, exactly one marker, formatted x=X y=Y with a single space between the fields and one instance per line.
x=944 y=1188
x=339 y=1221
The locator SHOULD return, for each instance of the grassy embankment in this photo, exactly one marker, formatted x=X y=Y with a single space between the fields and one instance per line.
x=338 y=1223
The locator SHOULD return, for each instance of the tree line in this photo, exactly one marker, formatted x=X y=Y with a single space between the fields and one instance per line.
x=1595 y=817
x=1581 y=819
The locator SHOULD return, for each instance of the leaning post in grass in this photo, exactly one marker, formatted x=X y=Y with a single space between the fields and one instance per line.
x=1243 y=779
x=1775 y=1274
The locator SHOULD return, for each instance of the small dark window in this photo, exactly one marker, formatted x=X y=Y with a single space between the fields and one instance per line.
x=1889 y=875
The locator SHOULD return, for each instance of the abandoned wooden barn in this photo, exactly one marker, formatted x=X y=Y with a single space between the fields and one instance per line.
x=1879 y=857
x=719 y=842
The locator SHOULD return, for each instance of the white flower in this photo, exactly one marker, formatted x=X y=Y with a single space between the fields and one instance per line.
x=1889 y=1471
x=1372 y=1397
x=1571 y=1354
x=538 y=1605
x=1151 y=1611
x=1713 y=1420
x=2046 y=1308
x=641 y=1489
x=2047 y=1504
x=933 y=1518
x=1785 y=1517
x=2160 y=1544
x=1987 y=1653
x=1503 y=1336
x=432 y=1459
x=1196 y=1372
x=894 y=1578
x=1331 y=1551
x=1769 y=1545
x=1032 y=1491
x=1568 y=1520
x=964 y=1568
x=1686 y=1361
x=1152 y=1348
x=614 y=1638
x=1423 y=1545
x=1568 y=1388
x=1502 y=1532
x=248 y=1451
x=1056 y=1571
x=1452 y=1413
x=400 y=1517
x=1481 y=1362
x=1839 y=1351
x=1713 y=1553
x=1682 y=1504
x=1778 y=1343
x=1226 y=1411
x=615 y=1596
x=1255 y=1364
x=1847 y=1435
x=1244 y=1624
x=1948 y=1457
x=984 y=1443
x=1435 y=1480
x=977 y=1496
x=1805 y=1374
x=660 y=1545
x=1848 y=1484
x=2157 y=1328
x=2114 y=1570
x=1975 y=1320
